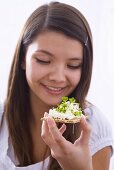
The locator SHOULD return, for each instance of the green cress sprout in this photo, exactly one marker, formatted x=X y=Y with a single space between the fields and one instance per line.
x=69 y=105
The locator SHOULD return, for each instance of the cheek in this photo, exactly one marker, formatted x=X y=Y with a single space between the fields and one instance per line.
x=34 y=72
x=31 y=72
x=75 y=78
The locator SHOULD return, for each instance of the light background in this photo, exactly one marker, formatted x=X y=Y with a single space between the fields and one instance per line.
x=100 y=15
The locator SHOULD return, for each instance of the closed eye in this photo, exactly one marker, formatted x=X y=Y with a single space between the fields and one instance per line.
x=42 y=61
x=74 y=67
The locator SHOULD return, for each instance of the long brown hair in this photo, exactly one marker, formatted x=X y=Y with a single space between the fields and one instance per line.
x=58 y=17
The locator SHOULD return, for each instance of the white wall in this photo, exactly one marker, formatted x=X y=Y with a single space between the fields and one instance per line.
x=100 y=15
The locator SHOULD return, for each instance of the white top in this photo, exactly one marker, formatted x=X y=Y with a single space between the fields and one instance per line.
x=101 y=137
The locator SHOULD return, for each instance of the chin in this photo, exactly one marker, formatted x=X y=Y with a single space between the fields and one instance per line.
x=52 y=101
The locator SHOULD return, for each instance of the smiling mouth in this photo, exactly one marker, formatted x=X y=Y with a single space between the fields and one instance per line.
x=54 y=90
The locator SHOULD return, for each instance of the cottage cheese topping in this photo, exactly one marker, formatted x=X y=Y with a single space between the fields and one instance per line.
x=66 y=110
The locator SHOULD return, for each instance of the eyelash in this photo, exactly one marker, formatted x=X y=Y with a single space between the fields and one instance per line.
x=74 y=67
x=42 y=61
x=48 y=62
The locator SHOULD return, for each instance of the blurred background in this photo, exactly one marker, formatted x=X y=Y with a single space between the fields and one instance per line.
x=100 y=15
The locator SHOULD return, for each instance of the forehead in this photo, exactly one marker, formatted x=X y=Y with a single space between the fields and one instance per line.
x=56 y=37
x=57 y=43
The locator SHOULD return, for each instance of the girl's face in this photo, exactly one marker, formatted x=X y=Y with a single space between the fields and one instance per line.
x=53 y=67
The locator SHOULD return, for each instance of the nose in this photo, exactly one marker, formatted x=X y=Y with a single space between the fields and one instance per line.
x=57 y=74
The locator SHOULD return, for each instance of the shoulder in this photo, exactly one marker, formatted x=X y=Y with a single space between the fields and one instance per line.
x=96 y=117
x=101 y=135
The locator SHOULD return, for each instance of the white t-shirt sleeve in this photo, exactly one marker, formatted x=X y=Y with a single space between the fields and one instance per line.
x=101 y=135
x=1 y=111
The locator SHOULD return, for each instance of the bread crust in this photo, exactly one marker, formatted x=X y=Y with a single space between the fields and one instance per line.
x=75 y=120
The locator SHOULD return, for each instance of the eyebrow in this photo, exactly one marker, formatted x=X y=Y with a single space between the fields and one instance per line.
x=45 y=52
x=52 y=55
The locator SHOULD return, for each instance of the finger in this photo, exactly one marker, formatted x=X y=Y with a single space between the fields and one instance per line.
x=57 y=136
x=46 y=114
x=45 y=128
x=45 y=134
x=85 y=131
x=62 y=129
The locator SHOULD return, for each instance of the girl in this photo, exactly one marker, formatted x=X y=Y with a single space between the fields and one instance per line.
x=53 y=58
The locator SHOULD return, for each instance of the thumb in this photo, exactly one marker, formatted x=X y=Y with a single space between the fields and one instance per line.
x=85 y=131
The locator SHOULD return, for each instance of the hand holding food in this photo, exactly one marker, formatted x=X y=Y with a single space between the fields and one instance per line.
x=66 y=153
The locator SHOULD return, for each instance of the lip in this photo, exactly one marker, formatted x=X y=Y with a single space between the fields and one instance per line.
x=54 y=90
